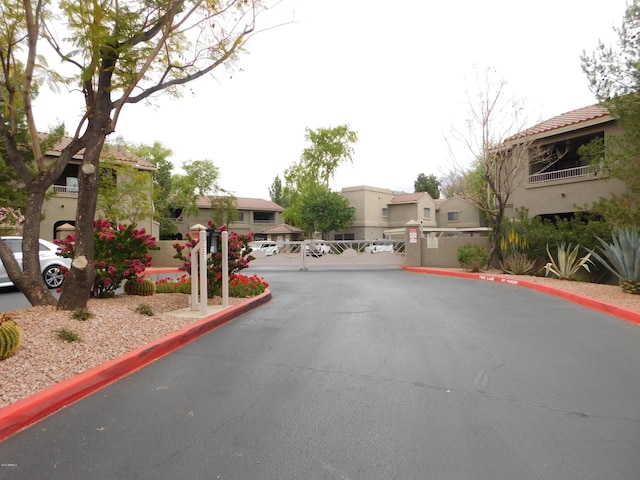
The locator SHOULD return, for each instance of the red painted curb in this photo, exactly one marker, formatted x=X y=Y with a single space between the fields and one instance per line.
x=30 y=410
x=604 y=307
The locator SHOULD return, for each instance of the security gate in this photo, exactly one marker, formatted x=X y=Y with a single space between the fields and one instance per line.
x=308 y=254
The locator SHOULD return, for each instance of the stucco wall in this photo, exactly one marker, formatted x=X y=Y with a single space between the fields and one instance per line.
x=446 y=253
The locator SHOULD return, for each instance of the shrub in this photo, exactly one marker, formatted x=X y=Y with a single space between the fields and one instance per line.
x=515 y=260
x=473 y=257
x=238 y=244
x=172 y=285
x=120 y=253
x=67 y=335
x=568 y=263
x=82 y=314
x=145 y=309
x=242 y=286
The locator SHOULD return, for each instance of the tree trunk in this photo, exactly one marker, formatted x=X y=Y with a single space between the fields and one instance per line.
x=79 y=281
x=29 y=279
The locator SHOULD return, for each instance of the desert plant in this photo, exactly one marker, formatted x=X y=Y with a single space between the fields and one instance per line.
x=568 y=263
x=623 y=258
x=82 y=314
x=473 y=257
x=68 y=335
x=142 y=286
x=9 y=336
x=515 y=260
x=174 y=285
x=145 y=309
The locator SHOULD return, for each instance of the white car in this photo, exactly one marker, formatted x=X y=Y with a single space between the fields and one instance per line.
x=51 y=264
x=317 y=248
x=379 y=246
x=269 y=248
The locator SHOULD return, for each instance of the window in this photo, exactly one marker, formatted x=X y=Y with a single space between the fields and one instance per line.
x=345 y=236
x=385 y=212
x=264 y=217
x=452 y=216
x=427 y=213
x=239 y=218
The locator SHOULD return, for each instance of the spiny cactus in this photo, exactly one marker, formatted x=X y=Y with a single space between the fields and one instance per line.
x=623 y=258
x=143 y=286
x=9 y=336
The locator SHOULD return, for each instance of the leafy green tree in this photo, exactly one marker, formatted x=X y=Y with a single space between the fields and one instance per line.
x=125 y=194
x=427 y=183
x=614 y=77
x=199 y=180
x=112 y=54
x=224 y=209
x=324 y=211
x=329 y=147
x=276 y=192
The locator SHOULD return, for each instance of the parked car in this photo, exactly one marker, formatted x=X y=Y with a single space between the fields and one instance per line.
x=52 y=265
x=379 y=246
x=317 y=248
x=269 y=248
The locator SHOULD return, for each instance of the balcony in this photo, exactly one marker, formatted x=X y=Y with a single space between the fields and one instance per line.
x=576 y=172
x=66 y=189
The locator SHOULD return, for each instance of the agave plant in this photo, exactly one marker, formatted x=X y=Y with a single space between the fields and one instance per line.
x=623 y=258
x=568 y=263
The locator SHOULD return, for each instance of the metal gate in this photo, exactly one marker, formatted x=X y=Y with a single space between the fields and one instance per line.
x=309 y=254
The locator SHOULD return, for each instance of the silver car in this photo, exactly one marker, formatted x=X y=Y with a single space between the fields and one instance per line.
x=51 y=264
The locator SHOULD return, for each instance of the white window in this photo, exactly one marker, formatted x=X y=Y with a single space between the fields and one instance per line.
x=385 y=212
x=427 y=213
x=452 y=216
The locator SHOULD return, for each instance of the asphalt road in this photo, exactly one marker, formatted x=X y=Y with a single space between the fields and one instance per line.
x=371 y=374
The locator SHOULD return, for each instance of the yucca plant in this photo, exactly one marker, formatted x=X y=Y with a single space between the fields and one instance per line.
x=567 y=264
x=9 y=336
x=623 y=258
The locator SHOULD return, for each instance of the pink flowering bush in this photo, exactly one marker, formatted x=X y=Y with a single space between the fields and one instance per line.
x=120 y=253
x=238 y=245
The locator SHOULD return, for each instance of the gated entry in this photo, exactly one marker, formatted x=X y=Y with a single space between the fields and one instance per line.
x=310 y=253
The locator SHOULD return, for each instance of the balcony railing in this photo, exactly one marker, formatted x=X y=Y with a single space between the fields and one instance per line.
x=65 y=189
x=584 y=171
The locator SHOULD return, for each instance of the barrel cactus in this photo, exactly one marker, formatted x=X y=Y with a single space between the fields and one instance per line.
x=9 y=336
x=623 y=258
x=142 y=286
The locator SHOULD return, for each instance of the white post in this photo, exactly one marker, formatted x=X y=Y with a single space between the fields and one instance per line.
x=225 y=269
x=199 y=270
x=203 y=272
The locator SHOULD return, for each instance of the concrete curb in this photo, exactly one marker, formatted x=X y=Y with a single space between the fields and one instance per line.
x=30 y=410
x=620 y=312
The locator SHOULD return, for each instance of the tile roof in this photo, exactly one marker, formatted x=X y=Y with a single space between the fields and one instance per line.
x=572 y=118
x=282 y=228
x=108 y=151
x=243 y=203
x=408 y=197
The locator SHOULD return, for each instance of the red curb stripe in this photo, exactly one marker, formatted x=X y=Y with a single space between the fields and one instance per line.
x=604 y=307
x=30 y=410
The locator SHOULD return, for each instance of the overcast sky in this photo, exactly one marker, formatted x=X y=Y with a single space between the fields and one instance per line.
x=399 y=77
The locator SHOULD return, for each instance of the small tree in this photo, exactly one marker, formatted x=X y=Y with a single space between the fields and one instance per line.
x=614 y=77
x=429 y=184
x=324 y=211
x=329 y=148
